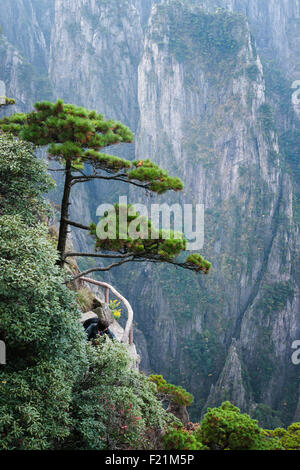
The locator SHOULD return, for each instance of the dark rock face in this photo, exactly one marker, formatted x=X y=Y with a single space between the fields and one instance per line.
x=199 y=89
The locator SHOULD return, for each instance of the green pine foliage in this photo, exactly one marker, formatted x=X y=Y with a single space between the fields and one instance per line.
x=199 y=262
x=76 y=134
x=180 y=438
x=289 y=438
x=152 y=244
x=226 y=428
x=145 y=170
x=6 y=101
x=173 y=393
x=75 y=137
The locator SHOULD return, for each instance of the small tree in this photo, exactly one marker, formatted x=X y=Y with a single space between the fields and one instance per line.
x=4 y=101
x=226 y=428
x=76 y=137
x=177 y=397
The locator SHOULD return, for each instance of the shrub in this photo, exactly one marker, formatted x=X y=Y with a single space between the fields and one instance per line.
x=174 y=393
x=226 y=428
x=23 y=180
x=115 y=406
x=45 y=342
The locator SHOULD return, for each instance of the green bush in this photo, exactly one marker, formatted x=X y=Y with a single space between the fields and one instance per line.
x=226 y=428
x=115 y=406
x=174 y=393
x=45 y=342
x=23 y=180
x=180 y=438
x=289 y=438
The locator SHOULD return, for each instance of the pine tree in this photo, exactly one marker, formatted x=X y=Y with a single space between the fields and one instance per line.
x=76 y=137
x=4 y=101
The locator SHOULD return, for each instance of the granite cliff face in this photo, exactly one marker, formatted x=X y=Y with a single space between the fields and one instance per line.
x=207 y=114
x=207 y=91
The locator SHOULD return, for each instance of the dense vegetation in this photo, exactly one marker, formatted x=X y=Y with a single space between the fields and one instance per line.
x=39 y=316
x=226 y=428
x=57 y=391
x=54 y=385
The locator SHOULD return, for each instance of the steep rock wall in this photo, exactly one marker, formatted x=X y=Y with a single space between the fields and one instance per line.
x=205 y=116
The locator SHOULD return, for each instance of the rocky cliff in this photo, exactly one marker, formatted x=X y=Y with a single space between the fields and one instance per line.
x=207 y=91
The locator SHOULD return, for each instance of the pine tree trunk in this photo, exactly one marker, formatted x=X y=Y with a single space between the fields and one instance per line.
x=64 y=214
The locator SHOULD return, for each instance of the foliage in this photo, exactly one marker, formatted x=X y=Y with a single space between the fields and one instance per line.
x=6 y=101
x=181 y=438
x=23 y=180
x=226 y=428
x=113 y=305
x=44 y=340
x=124 y=230
x=173 y=393
x=198 y=260
x=196 y=32
x=289 y=438
x=115 y=406
x=77 y=134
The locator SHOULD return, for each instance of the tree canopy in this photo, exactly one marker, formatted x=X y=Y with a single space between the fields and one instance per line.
x=75 y=137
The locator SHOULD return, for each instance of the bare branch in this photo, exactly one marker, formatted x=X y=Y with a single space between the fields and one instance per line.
x=76 y=224
x=118 y=177
x=53 y=169
x=93 y=270
x=99 y=255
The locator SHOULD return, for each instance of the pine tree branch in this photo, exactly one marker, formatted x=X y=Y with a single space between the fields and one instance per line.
x=99 y=255
x=100 y=268
x=76 y=224
x=82 y=179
